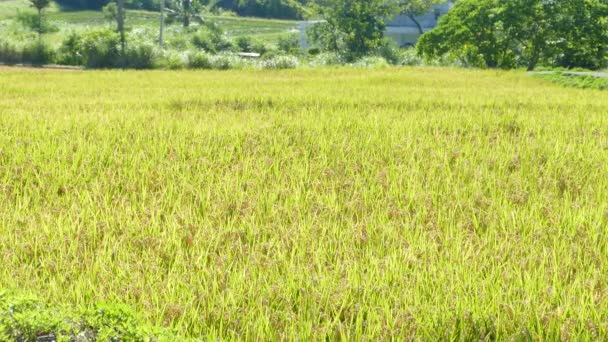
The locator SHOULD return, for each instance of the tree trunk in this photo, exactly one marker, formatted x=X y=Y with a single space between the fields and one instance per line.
x=186 y=8
x=534 y=59
x=162 y=22
x=39 y=26
x=413 y=18
x=120 y=23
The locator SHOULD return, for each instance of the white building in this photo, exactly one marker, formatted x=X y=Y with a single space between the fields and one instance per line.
x=401 y=28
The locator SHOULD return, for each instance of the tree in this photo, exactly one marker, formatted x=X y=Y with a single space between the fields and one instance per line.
x=415 y=8
x=355 y=27
x=185 y=11
x=467 y=32
x=581 y=33
x=120 y=24
x=40 y=5
x=115 y=12
x=513 y=33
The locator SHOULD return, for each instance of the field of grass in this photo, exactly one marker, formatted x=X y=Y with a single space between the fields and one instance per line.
x=417 y=204
x=265 y=30
x=576 y=81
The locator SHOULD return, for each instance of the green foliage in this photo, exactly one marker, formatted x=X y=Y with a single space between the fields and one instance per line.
x=184 y=11
x=83 y=4
x=286 y=9
x=40 y=5
x=199 y=60
x=354 y=27
x=389 y=51
x=313 y=51
x=38 y=53
x=10 y=53
x=71 y=52
x=280 y=63
x=513 y=33
x=172 y=60
x=26 y=318
x=139 y=55
x=35 y=23
x=226 y=62
x=211 y=38
x=100 y=49
x=289 y=44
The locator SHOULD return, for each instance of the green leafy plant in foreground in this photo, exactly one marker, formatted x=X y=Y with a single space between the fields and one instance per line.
x=26 y=318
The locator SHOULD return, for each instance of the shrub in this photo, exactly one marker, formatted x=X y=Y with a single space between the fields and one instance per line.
x=199 y=60
x=38 y=54
x=71 y=52
x=289 y=44
x=226 y=62
x=390 y=52
x=260 y=48
x=211 y=39
x=247 y=44
x=314 y=51
x=139 y=56
x=172 y=60
x=280 y=62
x=101 y=49
x=327 y=59
x=371 y=62
x=31 y=21
x=10 y=53
x=26 y=318
x=244 y=43
x=410 y=57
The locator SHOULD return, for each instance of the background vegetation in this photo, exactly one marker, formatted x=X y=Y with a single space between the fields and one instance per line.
x=476 y=33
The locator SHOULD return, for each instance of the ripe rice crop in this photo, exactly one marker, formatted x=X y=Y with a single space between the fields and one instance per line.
x=414 y=203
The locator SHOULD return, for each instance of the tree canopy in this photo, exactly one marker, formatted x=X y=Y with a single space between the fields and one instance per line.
x=513 y=33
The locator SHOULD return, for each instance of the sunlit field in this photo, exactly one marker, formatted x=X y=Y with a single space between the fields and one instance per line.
x=351 y=204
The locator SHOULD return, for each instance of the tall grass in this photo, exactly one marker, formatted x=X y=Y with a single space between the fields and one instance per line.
x=418 y=204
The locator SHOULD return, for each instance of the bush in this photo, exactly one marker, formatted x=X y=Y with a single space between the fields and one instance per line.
x=226 y=62
x=38 y=54
x=199 y=60
x=31 y=21
x=314 y=51
x=26 y=318
x=410 y=57
x=371 y=62
x=211 y=39
x=390 y=52
x=71 y=52
x=172 y=60
x=327 y=59
x=139 y=56
x=247 y=44
x=101 y=49
x=280 y=62
x=10 y=53
x=289 y=44
x=244 y=44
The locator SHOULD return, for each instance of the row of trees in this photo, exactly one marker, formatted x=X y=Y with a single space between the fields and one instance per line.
x=480 y=33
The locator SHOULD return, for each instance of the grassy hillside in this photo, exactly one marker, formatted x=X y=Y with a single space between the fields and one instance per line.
x=266 y=30
x=387 y=204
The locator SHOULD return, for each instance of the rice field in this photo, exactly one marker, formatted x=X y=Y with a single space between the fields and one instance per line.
x=340 y=204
